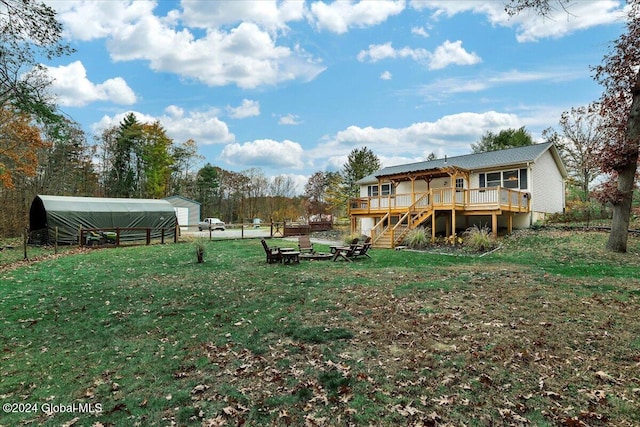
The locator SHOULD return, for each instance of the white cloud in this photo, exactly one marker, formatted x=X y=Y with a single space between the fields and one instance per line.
x=575 y=16
x=450 y=134
x=419 y=31
x=448 y=53
x=269 y=14
x=248 y=108
x=289 y=119
x=204 y=127
x=386 y=75
x=72 y=88
x=340 y=16
x=379 y=52
x=452 y=53
x=88 y=20
x=472 y=84
x=246 y=55
x=264 y=153
x=579 y=16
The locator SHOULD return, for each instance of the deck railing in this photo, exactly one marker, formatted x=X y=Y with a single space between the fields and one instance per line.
x=442 y=198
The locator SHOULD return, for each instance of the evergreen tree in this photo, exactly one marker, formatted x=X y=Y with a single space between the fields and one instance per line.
x=507 y=138
x=360 y=163
x=123 y=176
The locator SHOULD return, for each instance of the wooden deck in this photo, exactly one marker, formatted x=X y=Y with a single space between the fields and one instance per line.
x=414 y=209
x=479 y=199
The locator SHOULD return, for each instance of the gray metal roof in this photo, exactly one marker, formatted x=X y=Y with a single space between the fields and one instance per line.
x=490 y=159
x=103 y=204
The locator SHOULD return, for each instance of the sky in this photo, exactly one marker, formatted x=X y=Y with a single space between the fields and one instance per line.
x=292 y=87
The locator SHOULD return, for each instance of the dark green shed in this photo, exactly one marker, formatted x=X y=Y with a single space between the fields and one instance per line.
x=69 y=214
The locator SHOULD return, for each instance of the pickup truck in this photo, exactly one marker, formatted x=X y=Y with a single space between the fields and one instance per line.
x=211 y=223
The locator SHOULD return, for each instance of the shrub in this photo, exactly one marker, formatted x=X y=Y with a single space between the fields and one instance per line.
x=479 y=239
x=200 y=250
x=348 y=238
x=418 y=238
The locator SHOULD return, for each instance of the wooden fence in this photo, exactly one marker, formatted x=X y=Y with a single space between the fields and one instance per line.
x=148 y=233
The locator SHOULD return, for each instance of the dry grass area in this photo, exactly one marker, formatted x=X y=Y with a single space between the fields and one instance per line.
x=501 y=347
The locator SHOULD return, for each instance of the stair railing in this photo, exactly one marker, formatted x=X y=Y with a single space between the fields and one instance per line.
x=379 y=228
x=400 y=229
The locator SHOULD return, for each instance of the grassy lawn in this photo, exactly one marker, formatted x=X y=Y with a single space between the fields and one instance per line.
x=544 y=332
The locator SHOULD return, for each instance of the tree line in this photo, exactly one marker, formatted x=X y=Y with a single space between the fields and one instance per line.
x=43 y=151
x=139 y=160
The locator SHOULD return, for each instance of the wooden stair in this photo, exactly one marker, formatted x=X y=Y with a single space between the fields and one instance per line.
x=416 y=217
x=384 y=241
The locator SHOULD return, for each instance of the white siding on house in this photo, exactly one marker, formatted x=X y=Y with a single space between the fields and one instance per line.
x=366 y=224
x=546 y=185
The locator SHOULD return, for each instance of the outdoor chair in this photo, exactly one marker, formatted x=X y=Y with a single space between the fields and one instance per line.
x=305 y=245
x=361 y=250
x=344 y=252
x=273 y=254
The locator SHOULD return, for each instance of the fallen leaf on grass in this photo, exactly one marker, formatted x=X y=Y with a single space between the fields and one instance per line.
x=230 y=410
x=553 y=395
x=602 y=375
x=200 y=388
x=214 y=422
x=70 y=422
x=406 y=411
x=513 y=417
x=444 y=400
x=596 y=395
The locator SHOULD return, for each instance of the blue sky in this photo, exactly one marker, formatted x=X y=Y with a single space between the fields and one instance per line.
x=292 y=87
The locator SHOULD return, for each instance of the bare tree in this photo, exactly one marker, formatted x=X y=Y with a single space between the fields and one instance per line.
x=619 y=74
x=580 y=143
x=28 y=31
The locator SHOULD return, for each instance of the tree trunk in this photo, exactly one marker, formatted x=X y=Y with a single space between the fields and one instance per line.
x=626 y=177
x=622 y=211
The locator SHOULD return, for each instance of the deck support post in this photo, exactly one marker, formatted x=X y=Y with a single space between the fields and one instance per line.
x=433 y=226
x=494 y=224
x=509 y=222
x=453 y=221
x=447 y=227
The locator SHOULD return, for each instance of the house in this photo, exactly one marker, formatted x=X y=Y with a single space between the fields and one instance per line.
x=187 y=211
x=505 y=189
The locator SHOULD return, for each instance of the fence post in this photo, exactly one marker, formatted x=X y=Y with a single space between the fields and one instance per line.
x=242 y=228
x=117 y=236
x=55 y=243
x=162 y=238
x=80 y=236
x=148 y=236
x=176 y=230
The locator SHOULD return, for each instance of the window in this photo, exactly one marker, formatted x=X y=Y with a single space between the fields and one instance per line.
x=494 y=179
x=459 y=183
x=382 y=190
x=516 y=178
x=510 y=179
